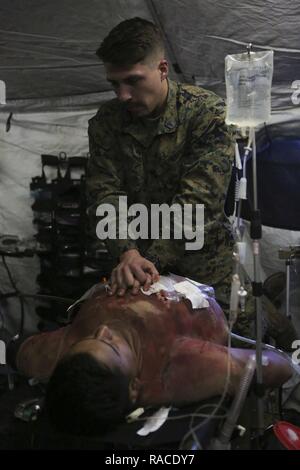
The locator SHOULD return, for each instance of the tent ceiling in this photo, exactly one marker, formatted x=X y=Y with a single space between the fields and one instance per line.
x=48 y=48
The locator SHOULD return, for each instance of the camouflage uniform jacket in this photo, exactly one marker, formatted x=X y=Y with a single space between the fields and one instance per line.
x=182 y=157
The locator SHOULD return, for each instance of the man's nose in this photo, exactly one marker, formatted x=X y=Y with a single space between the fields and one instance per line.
x=123 y=93
x=103 y=332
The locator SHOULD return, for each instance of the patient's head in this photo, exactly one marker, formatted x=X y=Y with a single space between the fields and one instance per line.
x=109 y=347
x=94 y=386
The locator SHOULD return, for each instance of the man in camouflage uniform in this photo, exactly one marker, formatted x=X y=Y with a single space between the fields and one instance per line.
x=159 y=142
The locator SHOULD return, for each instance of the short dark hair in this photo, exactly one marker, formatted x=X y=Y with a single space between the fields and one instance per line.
x=84 y=397
x=130 y=42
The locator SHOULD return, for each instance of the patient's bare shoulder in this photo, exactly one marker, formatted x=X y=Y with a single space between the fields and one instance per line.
x=39 y=353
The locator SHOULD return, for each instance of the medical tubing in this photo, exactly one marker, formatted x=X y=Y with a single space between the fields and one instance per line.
x=248 y=149
x=193 y=429
x=243 y=185
x=238 y=401
x=234 y=299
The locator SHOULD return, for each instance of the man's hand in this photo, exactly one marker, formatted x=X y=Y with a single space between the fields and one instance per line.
x=132 y=272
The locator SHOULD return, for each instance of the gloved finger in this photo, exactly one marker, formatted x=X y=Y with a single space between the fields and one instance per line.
x=147 y=283
x=151 y=269
x=113 y=283
x=121 y=292
x=139 y=274
x=155 y=277
x=120 y=277
x=136 y=287
x=128 y=276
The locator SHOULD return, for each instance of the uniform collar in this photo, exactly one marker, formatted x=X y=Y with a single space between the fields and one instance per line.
x=169 y=120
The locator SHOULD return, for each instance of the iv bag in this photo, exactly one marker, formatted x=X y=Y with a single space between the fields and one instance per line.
x=248 y=88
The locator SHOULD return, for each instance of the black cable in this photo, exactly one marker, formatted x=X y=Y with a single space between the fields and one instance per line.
x=64 y=300
x=1 y=318
x=21 y=329
x=18 y=294
x=280 y=398
x=9 y=274
x=55 y=298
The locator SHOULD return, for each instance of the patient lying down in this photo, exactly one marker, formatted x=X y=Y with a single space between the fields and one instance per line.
x=136 y=350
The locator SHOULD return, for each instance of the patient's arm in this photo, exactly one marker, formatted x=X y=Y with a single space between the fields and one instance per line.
x=197 y=370
x=276 y=371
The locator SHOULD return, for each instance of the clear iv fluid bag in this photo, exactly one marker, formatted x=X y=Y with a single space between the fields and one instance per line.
x=248 y=88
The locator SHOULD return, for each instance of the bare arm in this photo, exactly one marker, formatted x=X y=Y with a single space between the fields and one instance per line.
x=198 y=370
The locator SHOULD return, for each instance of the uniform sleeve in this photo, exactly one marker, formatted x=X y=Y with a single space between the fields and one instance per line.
x=105 y=181
x=206 y=172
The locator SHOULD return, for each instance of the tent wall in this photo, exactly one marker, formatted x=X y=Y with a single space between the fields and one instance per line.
x=30 y=135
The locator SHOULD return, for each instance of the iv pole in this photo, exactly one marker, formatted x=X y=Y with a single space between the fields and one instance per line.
x=257 y=290
x=238 y=292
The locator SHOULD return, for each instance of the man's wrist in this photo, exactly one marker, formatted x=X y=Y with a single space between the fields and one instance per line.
x=125 y=252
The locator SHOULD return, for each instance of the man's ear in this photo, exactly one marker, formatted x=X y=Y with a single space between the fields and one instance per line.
x=163 y=67
x=134 y=389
